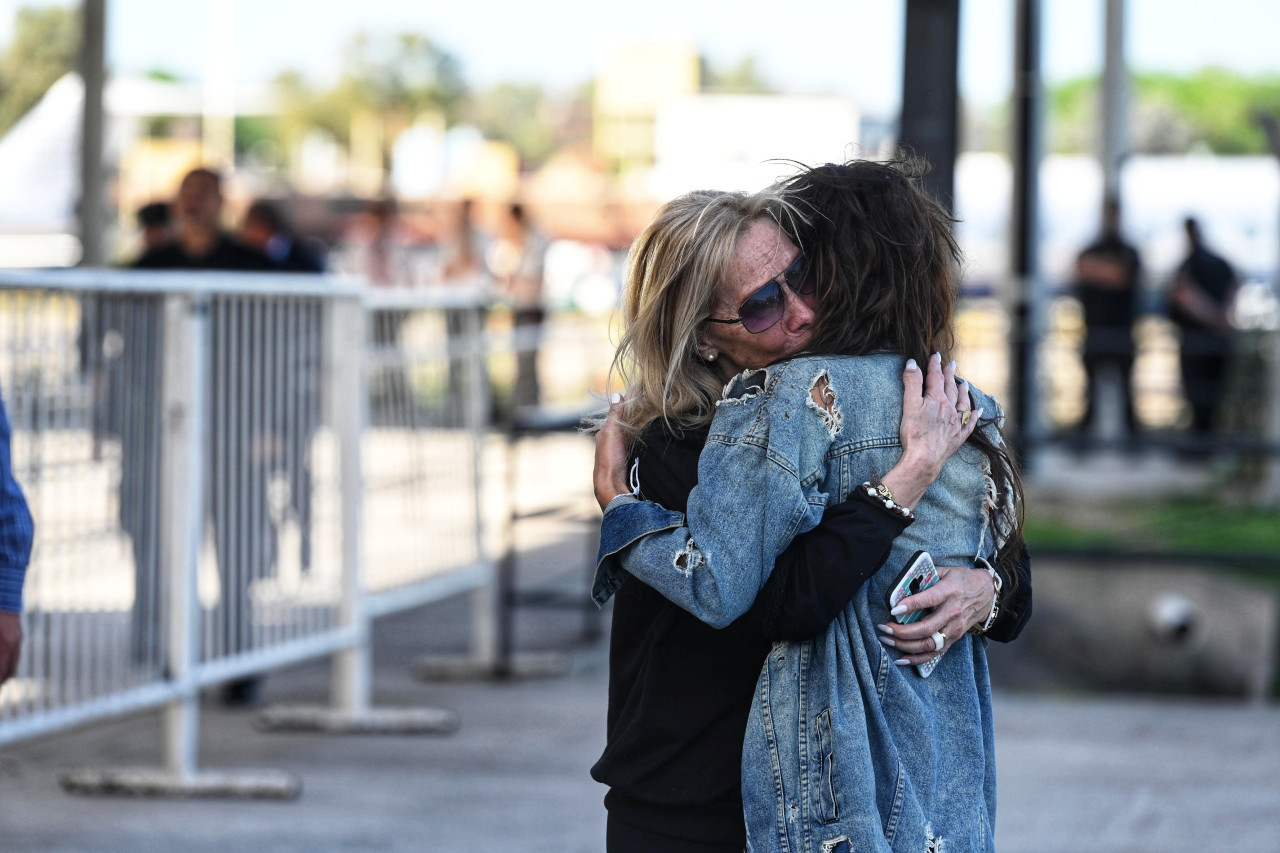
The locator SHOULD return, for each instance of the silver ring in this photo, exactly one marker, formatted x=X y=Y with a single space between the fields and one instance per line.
x=939 y=640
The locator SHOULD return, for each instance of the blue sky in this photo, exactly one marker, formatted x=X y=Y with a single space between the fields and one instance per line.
x=844 y=46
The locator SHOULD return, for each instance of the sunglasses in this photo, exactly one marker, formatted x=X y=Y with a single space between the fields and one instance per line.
x=763 y=309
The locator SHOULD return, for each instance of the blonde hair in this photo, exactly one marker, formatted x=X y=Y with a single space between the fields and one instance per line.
x=675 y=270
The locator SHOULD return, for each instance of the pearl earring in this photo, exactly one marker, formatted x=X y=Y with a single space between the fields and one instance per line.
x=711 y=356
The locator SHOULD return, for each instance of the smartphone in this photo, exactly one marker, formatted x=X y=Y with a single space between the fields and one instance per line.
x=919 y=574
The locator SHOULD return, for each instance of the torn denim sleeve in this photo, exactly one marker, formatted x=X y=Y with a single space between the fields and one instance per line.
x=745 y=510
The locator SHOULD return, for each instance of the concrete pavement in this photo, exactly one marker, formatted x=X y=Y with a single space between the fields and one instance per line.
x=1097 y=773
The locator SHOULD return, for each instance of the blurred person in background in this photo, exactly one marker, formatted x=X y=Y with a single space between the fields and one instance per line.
x=16 y=534
x=241 y=452
x=462 y=264
x=516 y=259
x=1108 y=275
x=1200 y=301
x=155 y=222
x=266 y=228
x=199 y=241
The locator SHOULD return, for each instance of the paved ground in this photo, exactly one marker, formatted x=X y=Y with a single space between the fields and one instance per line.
x=1077 y=771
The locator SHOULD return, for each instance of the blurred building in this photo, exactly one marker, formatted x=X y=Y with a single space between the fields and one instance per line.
x=635 y=80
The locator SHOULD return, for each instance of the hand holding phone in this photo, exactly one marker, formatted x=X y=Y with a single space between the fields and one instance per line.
x=918 y=575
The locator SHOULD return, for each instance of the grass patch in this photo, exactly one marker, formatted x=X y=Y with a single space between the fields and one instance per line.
x=1183 y=524
x=1200 y=524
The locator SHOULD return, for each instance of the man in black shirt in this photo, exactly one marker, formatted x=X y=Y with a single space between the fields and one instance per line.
x=1201 y=296
x=1108 y=271
x=238 y=467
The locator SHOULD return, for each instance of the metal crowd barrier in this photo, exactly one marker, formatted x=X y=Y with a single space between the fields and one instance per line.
x=230 y=473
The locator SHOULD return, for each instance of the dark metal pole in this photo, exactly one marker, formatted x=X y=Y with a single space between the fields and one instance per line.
x=930 y=91
x=90 y=210
x=1025 y=261
x=1271 y=487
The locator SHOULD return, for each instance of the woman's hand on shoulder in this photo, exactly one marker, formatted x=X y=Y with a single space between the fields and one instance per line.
x=936 y=420
x=610 y=474
x=960 y=599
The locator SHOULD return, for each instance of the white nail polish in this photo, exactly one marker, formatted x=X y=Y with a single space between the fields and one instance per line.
x=911 y=364
x=899 y=610
x=885 y=629
x=615 y=399
x=902 y=662
x=890 y=643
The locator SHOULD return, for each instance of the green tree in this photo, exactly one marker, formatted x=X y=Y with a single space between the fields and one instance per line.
x=1211 y=109
x=744 y=78
x=534 y=122
x=519 y=114
x=394 y=79
x=45 y=44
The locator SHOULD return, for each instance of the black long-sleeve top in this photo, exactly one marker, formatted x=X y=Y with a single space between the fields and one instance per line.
x=680 y=690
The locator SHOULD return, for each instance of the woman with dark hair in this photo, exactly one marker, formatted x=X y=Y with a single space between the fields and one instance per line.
x=703 y=260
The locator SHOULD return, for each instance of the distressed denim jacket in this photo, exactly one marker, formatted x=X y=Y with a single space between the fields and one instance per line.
x=844 y=750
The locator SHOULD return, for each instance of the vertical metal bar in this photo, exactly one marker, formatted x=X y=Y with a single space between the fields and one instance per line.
x=484 y=603
x=93 y=72
x=221 y=447
x=930 y=90
x=1027 y=311
x=348 y=400
x=1115 y=100
x=185 y=392
x=1270 y=490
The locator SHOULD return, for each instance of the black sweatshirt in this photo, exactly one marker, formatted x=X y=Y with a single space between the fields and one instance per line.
x=680 y=691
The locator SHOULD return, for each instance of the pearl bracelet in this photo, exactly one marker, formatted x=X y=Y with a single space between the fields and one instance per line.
x=880 y=493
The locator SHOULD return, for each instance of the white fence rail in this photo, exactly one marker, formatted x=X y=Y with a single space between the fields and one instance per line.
x=230 y=473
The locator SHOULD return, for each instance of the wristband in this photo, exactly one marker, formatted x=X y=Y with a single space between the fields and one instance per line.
x=621 y=499
x=998 y=585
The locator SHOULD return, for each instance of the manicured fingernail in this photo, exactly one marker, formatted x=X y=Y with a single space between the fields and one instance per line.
x=978 y=414
x=890 y=643
x=902 y=662
x=615 y=399
x=885 y=629
x=938 y=356
x=911 y=364
x=952 y=365
x=899 y=610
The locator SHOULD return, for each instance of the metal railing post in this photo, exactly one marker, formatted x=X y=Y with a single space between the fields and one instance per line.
x=348 y=407
x=183 y=401
x=484 y=600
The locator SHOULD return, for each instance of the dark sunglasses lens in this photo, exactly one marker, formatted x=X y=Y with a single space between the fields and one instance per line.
x=798 y=278
x=762 y=308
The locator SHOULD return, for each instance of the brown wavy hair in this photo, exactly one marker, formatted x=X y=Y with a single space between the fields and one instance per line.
x=887 y=268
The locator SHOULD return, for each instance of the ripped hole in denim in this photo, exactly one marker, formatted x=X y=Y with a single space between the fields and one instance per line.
x=822 y=399
x=933 y=844
x=688 y=559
